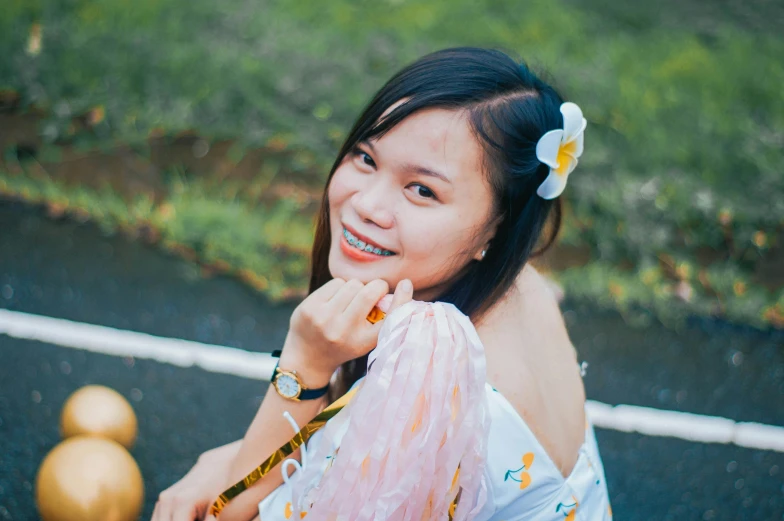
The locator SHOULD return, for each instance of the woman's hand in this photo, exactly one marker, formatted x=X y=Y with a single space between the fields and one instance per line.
x=330 y=326
x=190 y=498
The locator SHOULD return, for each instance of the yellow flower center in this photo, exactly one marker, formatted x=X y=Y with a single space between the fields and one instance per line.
x=566 y=153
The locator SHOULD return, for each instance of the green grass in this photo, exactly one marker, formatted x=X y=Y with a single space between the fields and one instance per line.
x=267 y=247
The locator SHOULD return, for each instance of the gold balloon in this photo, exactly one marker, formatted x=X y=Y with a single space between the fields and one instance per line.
x=99 y=411
x=89 y=479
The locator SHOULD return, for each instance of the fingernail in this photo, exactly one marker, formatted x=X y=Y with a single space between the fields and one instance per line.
x=385 y=303
x=405 y=285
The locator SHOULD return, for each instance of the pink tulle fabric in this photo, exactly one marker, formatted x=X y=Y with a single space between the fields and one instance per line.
x=420 y=413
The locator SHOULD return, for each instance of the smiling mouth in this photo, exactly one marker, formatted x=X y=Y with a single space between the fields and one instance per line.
x=363 y=246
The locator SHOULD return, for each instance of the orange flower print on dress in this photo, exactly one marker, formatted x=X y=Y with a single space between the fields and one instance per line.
x=568 y=511
x=287 y=511
x=525 y=477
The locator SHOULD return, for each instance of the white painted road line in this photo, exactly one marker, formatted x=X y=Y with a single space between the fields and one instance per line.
x=110 y=341
x=238 y=362
x=687 y=426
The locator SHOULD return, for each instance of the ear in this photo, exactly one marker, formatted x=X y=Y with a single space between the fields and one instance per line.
x=491 y=229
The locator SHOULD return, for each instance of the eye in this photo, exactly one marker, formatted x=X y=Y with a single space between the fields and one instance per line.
x=428 y=193
x=358 y=152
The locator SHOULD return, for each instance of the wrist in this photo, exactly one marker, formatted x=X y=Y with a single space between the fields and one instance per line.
x=312 y=375
x=224 y=452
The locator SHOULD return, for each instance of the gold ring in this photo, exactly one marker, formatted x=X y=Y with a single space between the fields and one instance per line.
x=375 y=315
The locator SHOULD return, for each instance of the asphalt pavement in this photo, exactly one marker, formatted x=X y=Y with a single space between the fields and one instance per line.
x=69 y=270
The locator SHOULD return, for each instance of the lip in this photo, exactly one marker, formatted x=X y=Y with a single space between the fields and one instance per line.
x=355 y=254
x=364 y=238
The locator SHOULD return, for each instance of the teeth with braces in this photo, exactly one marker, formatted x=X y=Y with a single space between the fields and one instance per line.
x=364 y=246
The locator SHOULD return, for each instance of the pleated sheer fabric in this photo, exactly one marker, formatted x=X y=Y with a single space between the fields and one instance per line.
x=415 y=434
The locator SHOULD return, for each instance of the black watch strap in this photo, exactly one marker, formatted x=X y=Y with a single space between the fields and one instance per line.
x=304 y=394
x=312 y=394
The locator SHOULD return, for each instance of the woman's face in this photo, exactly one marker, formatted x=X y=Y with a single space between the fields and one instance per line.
x=427 y=226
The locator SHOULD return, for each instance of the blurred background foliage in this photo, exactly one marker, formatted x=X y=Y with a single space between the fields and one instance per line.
x=209 y=128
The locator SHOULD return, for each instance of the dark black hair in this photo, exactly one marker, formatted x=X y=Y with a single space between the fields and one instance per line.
x=509 y=108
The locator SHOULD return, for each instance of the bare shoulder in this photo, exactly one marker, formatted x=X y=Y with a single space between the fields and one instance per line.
x=531 y=361
x=530 y=307
x=538 y=302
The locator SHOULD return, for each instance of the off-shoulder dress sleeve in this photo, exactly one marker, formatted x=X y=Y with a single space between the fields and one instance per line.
x=412 y=442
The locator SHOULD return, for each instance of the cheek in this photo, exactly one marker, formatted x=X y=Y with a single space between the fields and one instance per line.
x=339 y=189
x=432 y=235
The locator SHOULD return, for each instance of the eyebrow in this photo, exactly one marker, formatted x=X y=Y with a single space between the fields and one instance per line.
x=413 y=167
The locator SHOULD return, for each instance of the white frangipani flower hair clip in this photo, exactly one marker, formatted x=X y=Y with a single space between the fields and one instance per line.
x=559 y=149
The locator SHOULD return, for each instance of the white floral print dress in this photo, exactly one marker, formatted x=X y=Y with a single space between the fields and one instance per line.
x=523 y=482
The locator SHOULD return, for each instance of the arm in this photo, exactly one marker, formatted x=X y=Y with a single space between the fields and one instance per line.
x=416 y=432
x=267 y=432
x=328 y=328
x=222 y=453
x=191 y=496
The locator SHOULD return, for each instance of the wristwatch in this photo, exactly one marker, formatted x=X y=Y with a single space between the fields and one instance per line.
x=290 y=387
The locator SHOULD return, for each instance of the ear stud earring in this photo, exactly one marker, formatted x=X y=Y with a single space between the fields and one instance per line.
x=483 y=253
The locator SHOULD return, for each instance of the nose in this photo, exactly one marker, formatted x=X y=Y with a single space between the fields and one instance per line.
x=373 y=203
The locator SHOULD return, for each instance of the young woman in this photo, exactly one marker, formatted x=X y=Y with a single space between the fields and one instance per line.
x=443 y=191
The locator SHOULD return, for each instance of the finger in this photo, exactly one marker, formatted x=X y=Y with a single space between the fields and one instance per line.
x=156 y=512
x=164 y=511
x=184 y=513
x=385 y=303
x=328 y=290
x=404 y=292
x=343 y=297
x=365 y=299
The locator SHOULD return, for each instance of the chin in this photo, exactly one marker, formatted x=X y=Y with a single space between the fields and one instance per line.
x=342 y=268
x=345 y=272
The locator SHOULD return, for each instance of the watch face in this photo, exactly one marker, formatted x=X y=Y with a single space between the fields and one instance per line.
x=287 y=386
